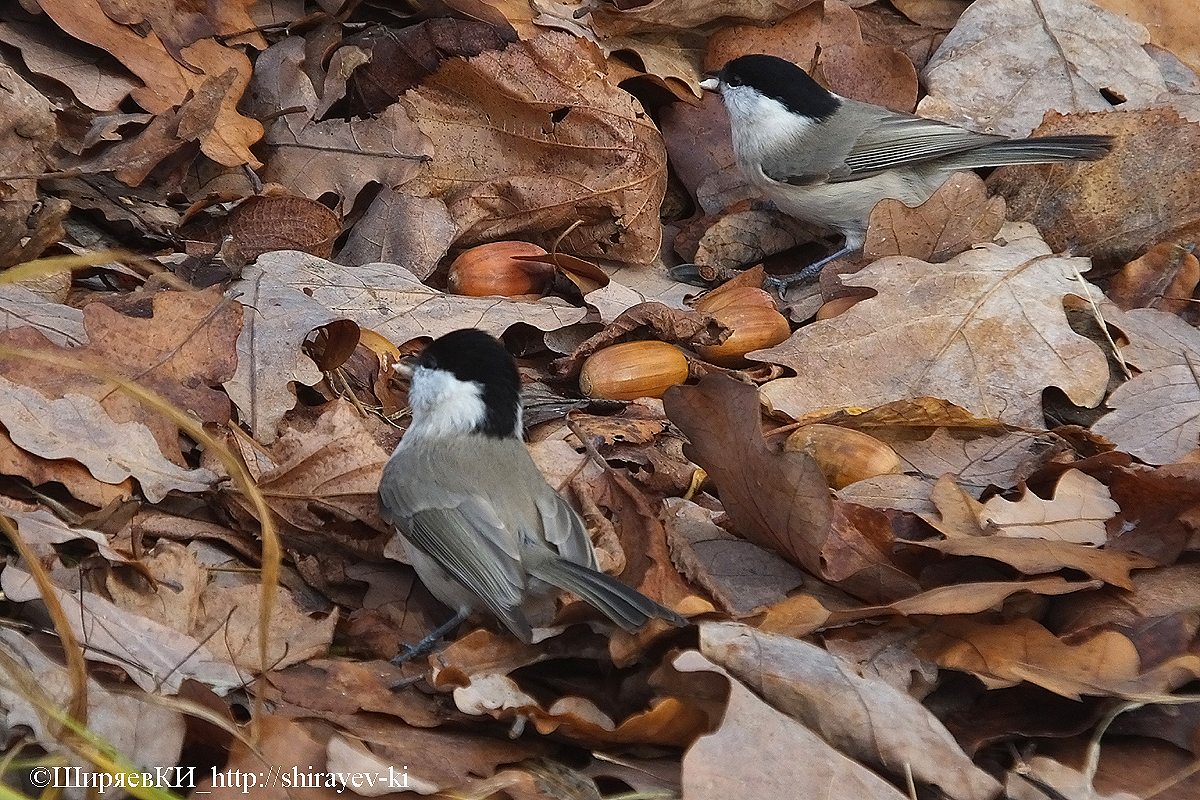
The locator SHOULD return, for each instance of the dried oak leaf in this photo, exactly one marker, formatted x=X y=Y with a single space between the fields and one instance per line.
x=311 y=156
x=1156 y=414
x=1005 y=654
x=954 y=218
x=778 y=500
x=322 y=478
x=1007 y=62
x=962 y=520
x=739 y=575
x=861 y=716
x=801 y=763
x=1163 y=278
x=1113 y=210
x=92 y=77
x=181 y=352
x=167 y=81
x=141 y=728
x=156 y=657
x=1077 y=512
x=572 y=146
x=986 y=331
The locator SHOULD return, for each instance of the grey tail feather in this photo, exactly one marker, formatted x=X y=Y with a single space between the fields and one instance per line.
x=1038 y=150
x=626 y=607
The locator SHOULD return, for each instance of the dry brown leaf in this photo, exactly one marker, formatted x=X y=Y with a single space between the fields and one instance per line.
x=1172 y=24
x=958 y=215
x=167 y=81
x=24 y=141
x=48 y=52
x=1156 y=416
x=322 y=477
x=963 y=598
x=986 y=331
x=749 y=236
x=156 y=658
x=311 y=156
x=685 y=15
x=180 y=352
x=1106 y=664
x=1156 y=338
x=801 y=764
x=1115 y=209
x=1039 y=557
x=1076 y=513
x=270 y=353
x=146 y=733
x=572 y=147
x=1056 y=54
x=739 y=575
x=73 y=475
x=776 y=500
x=401 y=229
x=863 y=717
x=1163 y=278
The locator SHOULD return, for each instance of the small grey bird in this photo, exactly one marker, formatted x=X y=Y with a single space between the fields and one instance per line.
x=828 y=159
x=480 y=524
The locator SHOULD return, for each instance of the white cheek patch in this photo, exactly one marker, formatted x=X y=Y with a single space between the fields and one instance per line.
x=443 y=405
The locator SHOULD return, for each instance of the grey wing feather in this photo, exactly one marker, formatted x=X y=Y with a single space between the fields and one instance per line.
x=905 y=140
x=466 y=545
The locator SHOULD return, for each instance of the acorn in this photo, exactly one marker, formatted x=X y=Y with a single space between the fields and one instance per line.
x=754 y=327
x=633 y=369
x=844 y=455
x=726 y=296
x=497 y=268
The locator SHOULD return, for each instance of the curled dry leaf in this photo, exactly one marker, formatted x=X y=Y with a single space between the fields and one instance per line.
x=958 y=215
x=986 y=331
x=573 y=147
x=1164 y=278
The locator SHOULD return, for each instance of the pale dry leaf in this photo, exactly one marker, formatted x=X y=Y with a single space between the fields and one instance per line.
x=1173 y=25
x=978 y=461
x=174 y=599
x=279 y=316
x=1156 y=415
x=715 y=767
x=1007 y=62
x=388 y=299
x=534 y=142
x=739 y=575
x=964 y=598
x=686 y=15
x=318 y=478
x=1156 y=338
x=311 y=156
x=749 y=236
x=862 y=717
x=985 y=331
x=147 y=733
x=401 y=229
x=230 y=624
x=48 y=52
x=156 y=658
x=41 y=530
x=79 y=428
x=61 y=324
x=1077 y=512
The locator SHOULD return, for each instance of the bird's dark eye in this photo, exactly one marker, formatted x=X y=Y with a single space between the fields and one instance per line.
x=733 y=80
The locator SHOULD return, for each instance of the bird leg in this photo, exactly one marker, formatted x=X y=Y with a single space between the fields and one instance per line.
x=425 y=645
x=781 y=283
